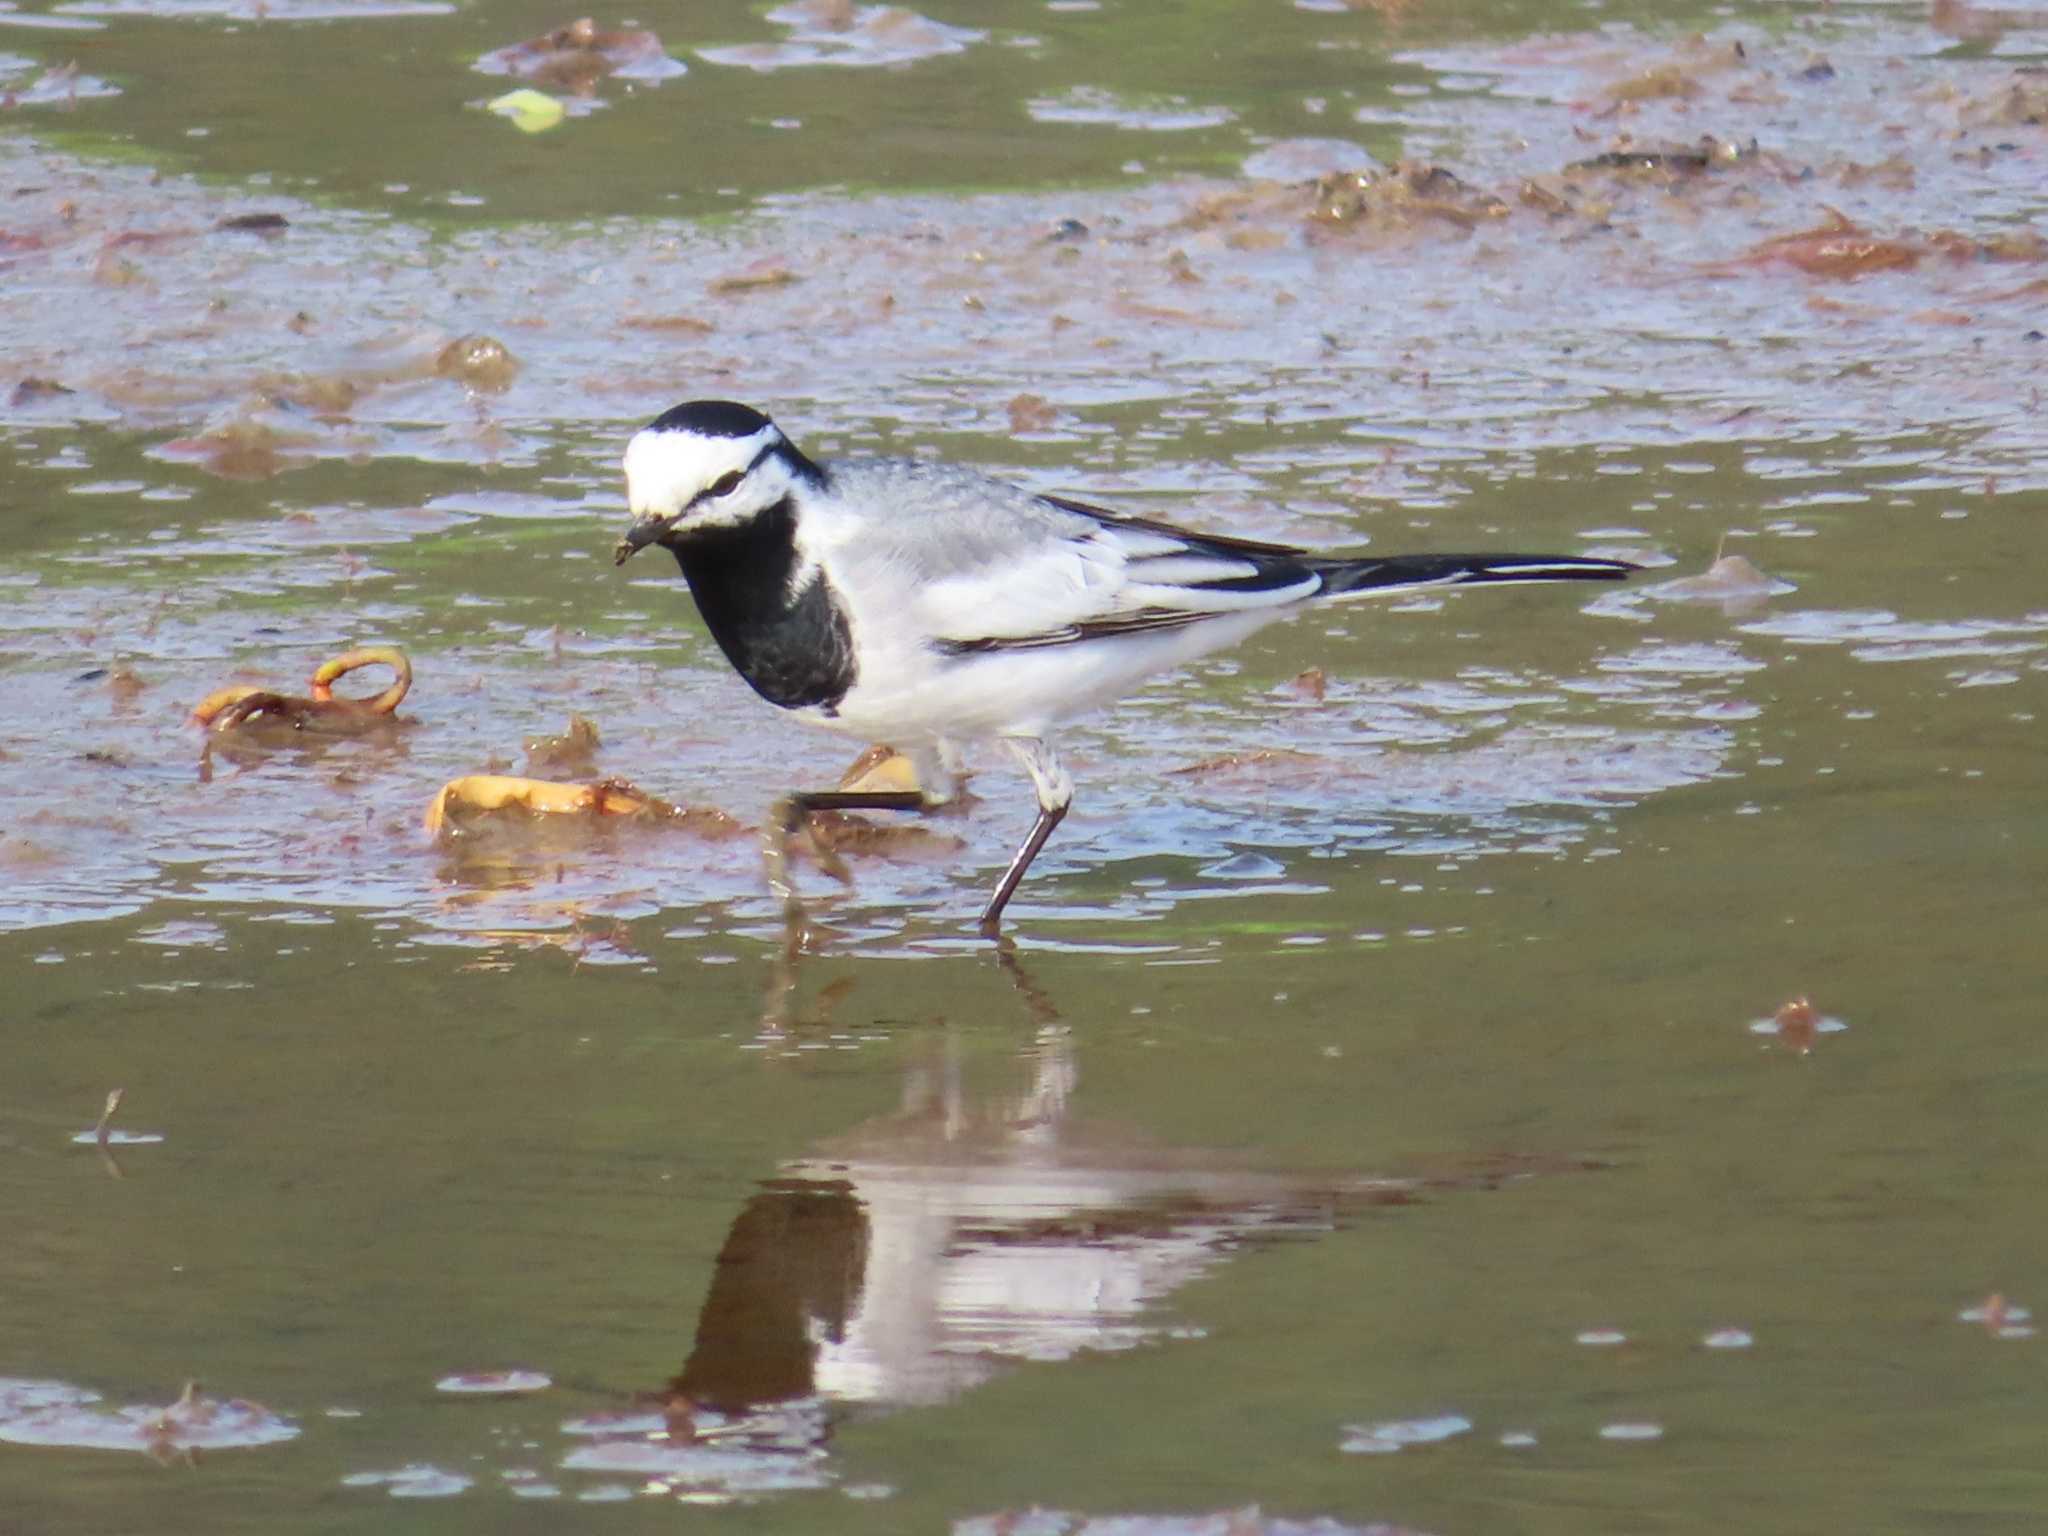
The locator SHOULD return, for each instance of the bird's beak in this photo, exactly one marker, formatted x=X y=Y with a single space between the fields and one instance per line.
x=643 y=533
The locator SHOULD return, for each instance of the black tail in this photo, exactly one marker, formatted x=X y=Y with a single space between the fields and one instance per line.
x=1341 y=576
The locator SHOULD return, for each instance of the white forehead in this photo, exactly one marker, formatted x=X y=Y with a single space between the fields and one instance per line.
x=665 y=468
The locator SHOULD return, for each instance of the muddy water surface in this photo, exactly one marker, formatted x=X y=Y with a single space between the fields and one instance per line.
x=1395 y=1107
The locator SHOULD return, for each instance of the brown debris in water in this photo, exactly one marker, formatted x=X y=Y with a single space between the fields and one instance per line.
x=573 y=751
x=1731 y=579
x=2000 y=1317
x=245 y=447
x=842 y=32
x=1414 y=198
x=238 y=704
x=1032 y=413
x=1139 y=309
x=1249 y=212
x=1994 y=1311
x=684 y=325
x=1559 y=197
x=1260 y=762
x=1823 y=304
x=1313 y=684
x=1678 y=77
x=577 y=56
x=2022 y=102
x=1672 y=161
x=765 y=273
x=1837 y=248
x=1657 y=80
x=481 y=362
x=59 y=1415
x=2037 y=289
x=1840 y=249
x=145 y=239
x=1895 y=173
x=264 y=437
x=1410 y=197
x=837 y=832
x=32 y=389
x=113 y=270
x=2005 y=245
x=329 y=396
x=181 y=1429
x=1797 y=1024
x=124 y=684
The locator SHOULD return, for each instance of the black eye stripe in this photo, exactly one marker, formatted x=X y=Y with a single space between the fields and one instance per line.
x=729 y=482
x=723 y=486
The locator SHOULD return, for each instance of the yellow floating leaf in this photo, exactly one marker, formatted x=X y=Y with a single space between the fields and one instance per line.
x=531 y=111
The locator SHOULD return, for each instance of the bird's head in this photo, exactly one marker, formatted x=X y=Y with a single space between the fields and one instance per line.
x=705 y=465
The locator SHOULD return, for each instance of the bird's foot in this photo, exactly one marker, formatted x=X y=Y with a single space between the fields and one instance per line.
x=798 y=810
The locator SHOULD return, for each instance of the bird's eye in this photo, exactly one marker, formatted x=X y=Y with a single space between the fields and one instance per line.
x=726 y=483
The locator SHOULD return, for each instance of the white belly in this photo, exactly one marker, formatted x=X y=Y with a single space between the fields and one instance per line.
x=923 y=695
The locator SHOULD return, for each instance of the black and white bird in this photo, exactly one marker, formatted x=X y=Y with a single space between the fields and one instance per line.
x=924 y=605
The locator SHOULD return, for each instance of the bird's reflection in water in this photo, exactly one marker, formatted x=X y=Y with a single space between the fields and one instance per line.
x=908 y=1261
x=905 y=1262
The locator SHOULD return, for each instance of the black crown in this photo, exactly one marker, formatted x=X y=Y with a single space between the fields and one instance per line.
x=710 y=418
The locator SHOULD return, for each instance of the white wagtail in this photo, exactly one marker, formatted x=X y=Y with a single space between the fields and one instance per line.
x=922 y=605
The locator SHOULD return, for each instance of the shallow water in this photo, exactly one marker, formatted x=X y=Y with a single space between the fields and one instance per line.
x=1394 y=1110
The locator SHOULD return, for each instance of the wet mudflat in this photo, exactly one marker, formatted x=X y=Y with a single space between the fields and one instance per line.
x=1503 y=1061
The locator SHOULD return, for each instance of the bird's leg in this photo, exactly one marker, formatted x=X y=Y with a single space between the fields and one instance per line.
x=1055 y=793
x=992 y=914
x=1044 y=1013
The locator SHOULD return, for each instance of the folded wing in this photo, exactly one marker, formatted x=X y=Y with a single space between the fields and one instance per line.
x=1106 y=575
x=983 y=566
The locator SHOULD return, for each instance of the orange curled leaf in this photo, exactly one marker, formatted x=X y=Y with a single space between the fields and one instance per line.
x=226 y=708
x=331 y=672
x=208 y=709
x=486 y=792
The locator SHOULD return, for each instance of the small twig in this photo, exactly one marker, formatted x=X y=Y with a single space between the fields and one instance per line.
x=101 y=1135
x=99 y=1131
